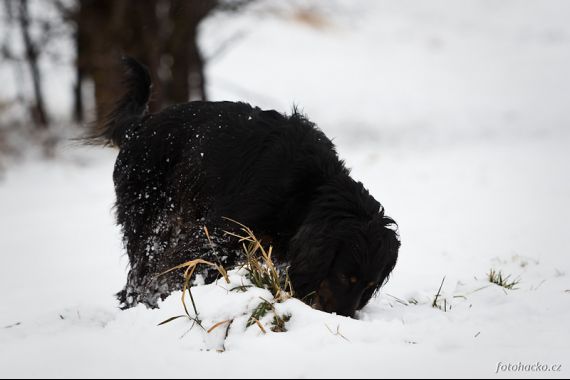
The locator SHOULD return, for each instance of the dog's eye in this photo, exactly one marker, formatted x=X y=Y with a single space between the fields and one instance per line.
x=371 y=285
x=342 y=278
x=347 y=280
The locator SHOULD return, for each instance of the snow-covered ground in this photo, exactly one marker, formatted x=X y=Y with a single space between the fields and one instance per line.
x=453 y=114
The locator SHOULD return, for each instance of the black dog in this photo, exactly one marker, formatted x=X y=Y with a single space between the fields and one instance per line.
x=193 y=164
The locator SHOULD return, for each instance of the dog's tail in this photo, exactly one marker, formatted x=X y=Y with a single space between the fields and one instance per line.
x=130 y=108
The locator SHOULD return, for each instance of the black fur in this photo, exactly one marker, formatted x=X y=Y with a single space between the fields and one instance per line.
x=130 y=107
x=193 y=164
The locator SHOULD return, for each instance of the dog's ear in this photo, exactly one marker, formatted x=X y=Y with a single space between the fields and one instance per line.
x=311 y=255
x=386 y=231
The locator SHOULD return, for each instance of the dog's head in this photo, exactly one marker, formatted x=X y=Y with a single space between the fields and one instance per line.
x=343 y=253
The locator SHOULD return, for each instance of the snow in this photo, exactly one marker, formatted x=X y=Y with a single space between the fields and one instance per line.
x=453 y=116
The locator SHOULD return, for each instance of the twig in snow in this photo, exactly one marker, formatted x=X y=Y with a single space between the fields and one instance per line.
x=434 y=304
x=400 y=301
x=337 y=333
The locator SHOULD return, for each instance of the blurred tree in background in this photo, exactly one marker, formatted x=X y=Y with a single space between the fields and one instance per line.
x=161 y=33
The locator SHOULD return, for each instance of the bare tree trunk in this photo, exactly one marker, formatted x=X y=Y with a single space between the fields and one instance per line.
x=32 y=55
x=78 y=106
x=109 y=29
x=197 y=83
x=179 y=18
x=188 y=79
x=99 y=49
x=161 y=33
x=147 y=45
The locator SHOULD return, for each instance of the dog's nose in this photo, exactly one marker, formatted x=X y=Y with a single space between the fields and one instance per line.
x=344 y=313
x=330 y=308
x=347 y=313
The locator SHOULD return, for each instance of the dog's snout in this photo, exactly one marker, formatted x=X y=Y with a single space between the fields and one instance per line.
x=341 y=303
x=332 y=307
x=347 y=313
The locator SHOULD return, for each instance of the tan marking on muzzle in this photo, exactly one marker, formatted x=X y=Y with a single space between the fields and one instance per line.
x=324 y=299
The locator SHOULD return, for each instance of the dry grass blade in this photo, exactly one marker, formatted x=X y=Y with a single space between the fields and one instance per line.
x=260 y=326
x=208 y=235
x=187 y=277
x=236 y=222
x=337 y=333
x=220 y=268
x=218 y=325
x=241 y=288
x=171 y=319
x=434 y=304
x=259 y=312
x=193 y=263
x=398 y=300
x=497 y=278
x=188 y=273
